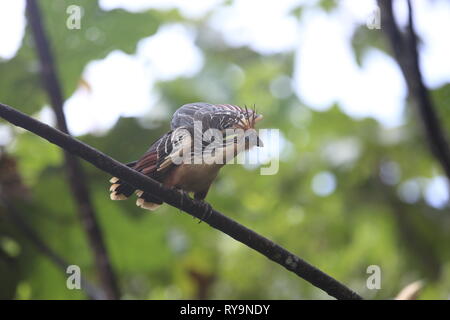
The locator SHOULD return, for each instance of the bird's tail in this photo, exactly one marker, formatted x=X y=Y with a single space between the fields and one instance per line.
x=121 y=190
x=147 y=201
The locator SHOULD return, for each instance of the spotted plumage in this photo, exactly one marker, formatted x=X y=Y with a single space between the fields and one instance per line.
x=162 y=161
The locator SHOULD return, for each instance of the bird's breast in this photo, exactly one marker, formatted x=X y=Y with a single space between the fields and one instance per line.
x=193 y=177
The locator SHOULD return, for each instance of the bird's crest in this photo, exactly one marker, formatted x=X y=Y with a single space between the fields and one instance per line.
x=248 y=118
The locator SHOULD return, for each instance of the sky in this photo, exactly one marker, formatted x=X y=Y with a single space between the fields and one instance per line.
x=325 y=70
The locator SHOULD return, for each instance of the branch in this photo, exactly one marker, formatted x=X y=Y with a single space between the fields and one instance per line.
x=407 y=56
x=76 y=176
x=176 y=199
x=16 y=218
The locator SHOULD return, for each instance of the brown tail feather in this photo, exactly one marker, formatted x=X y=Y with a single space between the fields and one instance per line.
x=120 y=190
x=147 y=201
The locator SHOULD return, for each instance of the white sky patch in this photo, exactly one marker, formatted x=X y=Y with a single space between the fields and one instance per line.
x=323 y=61
x=437 y=192
x=6 y=135
x=357 y=11
x=376 y=90
x=401 y=12
x=263 y=25
x=189 y=8
x=47 y=116
x=119 y=86
x=432 y=21
x=171 y=52
x=326 y=72
x=12 y=27
x=122 y=84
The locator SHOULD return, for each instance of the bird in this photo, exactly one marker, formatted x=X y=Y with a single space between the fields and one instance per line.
x=202 y=139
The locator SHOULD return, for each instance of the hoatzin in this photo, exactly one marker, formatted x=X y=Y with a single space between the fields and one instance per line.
x=183 y=157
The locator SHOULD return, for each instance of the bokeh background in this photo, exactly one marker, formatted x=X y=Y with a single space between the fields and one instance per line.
x=356 y=186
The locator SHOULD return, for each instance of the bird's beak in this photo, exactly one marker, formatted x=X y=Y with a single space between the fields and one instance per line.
x=258 y=118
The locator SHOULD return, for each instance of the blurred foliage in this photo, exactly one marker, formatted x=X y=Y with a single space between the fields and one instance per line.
x=167 y=254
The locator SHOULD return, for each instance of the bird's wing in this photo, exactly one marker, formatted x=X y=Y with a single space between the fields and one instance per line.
x=184 y=116
x=165 y=153
x=217 y=116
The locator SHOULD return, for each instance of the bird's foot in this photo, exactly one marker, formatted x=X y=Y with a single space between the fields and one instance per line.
x=184 y=195
x=207 y=209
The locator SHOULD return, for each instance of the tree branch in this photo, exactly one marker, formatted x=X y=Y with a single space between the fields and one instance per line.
x=76 y=176
x=176 y=199
x=405 y=51
x=16 y=218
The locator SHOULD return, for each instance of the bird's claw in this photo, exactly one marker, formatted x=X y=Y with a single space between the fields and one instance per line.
x=184 y=195
x=207 y=210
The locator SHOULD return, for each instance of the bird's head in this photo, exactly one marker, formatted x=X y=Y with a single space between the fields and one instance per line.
x=245 y=128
